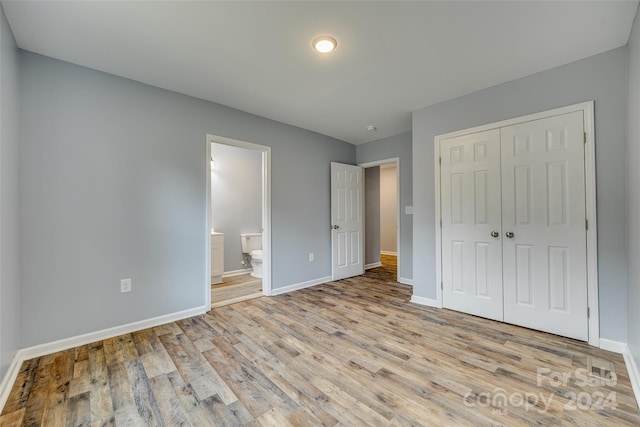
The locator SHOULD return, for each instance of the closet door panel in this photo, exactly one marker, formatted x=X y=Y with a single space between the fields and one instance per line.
x=470 y=200
x=543 y=205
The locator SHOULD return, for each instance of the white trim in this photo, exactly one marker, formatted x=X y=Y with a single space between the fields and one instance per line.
x=438 y=219
x=380 y=162
x=399 y=217
x=209 y=223
x=590 y=205
x=634 y=373
x=611 y=345
x=629 y=361
x=388 y=253
x=237 y=272
x=67 y=343
x=266 y=206
x=592 y=232
x=372 y=265
x=10 y=378
x=301 y=285
x=424 y=301
x=405 y=281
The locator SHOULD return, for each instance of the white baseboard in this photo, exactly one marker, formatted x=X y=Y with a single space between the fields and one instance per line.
x=424 y=301
x=66 y=343
x=634 y=373
x=388 y=253
x=405 y=281
x=629 y=361
x=302 y=285
x=237 y=272
x=9 y=379
x=372 y=265
x=611 y=345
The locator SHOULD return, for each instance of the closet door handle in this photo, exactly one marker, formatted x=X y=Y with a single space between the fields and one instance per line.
x=494 y=234
x=509 y=234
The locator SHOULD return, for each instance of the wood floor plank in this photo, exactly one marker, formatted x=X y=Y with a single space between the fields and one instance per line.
x=100 y=391
x=79 y=410
x=26 y=378
x=36 y=402
x=169 y=405
x=55 y=410
x=143 y=394
x=13 y=419
x=235 y=289
x=354 y=352
x=187 y=396
x=125 y=413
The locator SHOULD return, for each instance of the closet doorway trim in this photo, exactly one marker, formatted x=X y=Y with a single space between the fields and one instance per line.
x=590 y=188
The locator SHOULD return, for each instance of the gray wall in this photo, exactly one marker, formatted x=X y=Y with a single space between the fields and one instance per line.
x=633 y=191
x=236 y=198
x=386 y=148
x=388 y=209
x=372 y=215
x=113 y=185
x=9 y=200
x=601 y=78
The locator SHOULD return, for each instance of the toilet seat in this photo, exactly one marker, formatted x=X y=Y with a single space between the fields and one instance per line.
x=257 y=254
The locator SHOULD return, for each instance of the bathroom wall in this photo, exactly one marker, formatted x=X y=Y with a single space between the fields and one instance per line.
x=601 y=78
x=236 y=198
x=10 y=306
x=372 y=215
x=113 y=185
x=388 y=209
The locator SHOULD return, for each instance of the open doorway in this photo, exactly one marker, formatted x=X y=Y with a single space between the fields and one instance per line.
x=238 y=200
x=382 y=215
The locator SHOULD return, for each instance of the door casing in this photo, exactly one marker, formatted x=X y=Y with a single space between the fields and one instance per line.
x=590 y=197
x=396 y=161
x=266 y=210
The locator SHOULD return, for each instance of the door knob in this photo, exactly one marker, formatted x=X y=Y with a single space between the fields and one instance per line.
x=335 y=227
x=494 y=234
x=509 y=234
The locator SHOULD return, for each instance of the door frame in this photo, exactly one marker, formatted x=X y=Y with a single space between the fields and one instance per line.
x=395 y=160
x=266 y=210
x=590 y=206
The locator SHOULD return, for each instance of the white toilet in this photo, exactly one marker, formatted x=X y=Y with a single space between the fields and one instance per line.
x=252 y=245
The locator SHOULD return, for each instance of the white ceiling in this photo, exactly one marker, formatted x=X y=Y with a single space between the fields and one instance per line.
x=392 y=57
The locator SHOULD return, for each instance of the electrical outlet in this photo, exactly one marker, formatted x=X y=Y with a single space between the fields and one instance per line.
x=125 y=285
x=312 y=257
x=408 y=210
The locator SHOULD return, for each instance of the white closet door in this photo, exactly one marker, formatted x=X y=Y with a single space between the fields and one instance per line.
x=543 y=205
x=470 y=200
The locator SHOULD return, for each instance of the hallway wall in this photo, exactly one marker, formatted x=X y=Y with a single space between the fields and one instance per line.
x=388 y=209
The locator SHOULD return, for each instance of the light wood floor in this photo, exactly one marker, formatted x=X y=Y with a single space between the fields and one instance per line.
x=389 y=262
x=235 y=289
x=353 y=352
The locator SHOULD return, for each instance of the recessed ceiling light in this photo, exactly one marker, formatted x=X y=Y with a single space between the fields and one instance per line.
x=324 y=44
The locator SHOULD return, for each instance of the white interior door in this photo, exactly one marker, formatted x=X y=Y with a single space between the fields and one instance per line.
x=543 y=200
x=347 y=220
x=471 y=219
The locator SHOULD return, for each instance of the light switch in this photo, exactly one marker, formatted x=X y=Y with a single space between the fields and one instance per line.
x=408 y=210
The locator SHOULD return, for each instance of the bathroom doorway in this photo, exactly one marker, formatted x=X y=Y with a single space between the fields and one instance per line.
x=382 y=215
x=238 y=221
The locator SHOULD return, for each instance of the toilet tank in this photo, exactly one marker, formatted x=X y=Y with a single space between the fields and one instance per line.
x=251 y=242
